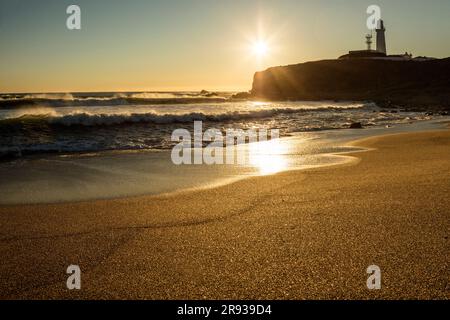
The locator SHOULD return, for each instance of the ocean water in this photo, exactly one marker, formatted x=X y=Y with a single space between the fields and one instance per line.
x=41 y=124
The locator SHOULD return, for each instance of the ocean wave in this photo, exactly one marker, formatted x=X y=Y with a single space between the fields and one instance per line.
x=113 y=99
x=89 y=119
x=4 y=104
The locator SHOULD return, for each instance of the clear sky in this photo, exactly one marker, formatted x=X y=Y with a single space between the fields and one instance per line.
x=166 y=45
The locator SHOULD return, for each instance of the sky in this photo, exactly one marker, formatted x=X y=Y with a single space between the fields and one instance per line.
x=186 y=45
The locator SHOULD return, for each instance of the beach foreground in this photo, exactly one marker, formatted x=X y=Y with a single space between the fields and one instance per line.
x=295 y=235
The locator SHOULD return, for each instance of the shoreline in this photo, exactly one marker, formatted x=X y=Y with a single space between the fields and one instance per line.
x=295 y=235
x=351 y=158
x=121 y=175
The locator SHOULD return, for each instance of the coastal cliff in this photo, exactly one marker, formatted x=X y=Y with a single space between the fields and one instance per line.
x=413 y=84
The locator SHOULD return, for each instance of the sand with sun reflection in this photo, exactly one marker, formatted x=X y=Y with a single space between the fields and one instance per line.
x=294 y=235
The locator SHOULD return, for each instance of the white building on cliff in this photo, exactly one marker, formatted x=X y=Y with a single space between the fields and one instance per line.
x=380 y=52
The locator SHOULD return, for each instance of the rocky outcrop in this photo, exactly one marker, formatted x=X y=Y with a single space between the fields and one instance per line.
x=410 y=84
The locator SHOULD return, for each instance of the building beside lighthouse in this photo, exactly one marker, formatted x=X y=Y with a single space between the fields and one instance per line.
x=380 y=52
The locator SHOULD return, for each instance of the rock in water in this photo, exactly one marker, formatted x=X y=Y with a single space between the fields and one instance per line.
x=356 y=125
x=242 y=95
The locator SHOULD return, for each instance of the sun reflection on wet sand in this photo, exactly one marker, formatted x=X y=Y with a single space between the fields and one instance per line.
x=268 y=157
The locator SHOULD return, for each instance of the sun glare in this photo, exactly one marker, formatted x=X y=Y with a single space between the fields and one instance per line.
x=260 y=48
x=268 y=157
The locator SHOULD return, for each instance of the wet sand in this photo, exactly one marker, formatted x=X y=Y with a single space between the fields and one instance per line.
x=296 y=235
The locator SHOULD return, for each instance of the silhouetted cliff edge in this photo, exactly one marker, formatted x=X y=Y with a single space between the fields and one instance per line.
x=418 y=84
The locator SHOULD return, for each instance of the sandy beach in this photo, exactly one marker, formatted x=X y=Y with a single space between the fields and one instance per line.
x=306 y=234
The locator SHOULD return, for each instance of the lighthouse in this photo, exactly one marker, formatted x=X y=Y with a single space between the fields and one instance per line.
x=381 y=40
x=380 y=52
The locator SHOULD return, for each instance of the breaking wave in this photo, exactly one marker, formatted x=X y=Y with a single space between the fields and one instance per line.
x=80 y=127
x=109 y=99
x=89 y=119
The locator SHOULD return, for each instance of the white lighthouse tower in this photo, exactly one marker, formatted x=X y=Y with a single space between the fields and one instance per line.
x=381 y=40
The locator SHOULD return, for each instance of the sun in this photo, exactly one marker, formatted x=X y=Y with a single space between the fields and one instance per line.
x=260 y=48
